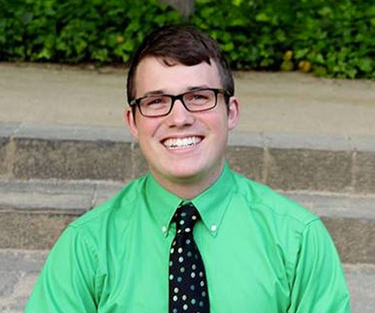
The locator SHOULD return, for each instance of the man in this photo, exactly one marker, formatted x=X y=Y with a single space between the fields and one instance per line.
x=192 y=235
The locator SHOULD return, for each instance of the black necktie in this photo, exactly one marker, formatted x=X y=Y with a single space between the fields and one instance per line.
x=187 y=278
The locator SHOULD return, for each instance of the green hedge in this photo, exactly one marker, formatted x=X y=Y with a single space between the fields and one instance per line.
x=73 y=31
x=329 y=37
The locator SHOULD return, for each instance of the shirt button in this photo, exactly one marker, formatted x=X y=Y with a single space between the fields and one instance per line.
x=164 y=229
x=213 y=227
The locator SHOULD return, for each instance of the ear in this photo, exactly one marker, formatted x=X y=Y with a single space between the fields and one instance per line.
x=233 y=112
x=130 y=122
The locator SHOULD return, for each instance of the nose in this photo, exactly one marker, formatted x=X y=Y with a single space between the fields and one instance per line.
x=180 y=116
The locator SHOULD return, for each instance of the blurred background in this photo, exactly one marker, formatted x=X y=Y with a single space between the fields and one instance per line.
x=328 y=37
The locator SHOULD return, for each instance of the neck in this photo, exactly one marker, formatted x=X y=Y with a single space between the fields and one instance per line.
x=188 y=187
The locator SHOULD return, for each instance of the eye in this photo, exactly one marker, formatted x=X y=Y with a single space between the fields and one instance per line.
x=199 y=96
x=154 y=101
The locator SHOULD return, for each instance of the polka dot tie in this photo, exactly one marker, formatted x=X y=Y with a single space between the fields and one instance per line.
x=187 y=278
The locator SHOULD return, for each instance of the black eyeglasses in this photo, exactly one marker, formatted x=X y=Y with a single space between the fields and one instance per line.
x=194 y=101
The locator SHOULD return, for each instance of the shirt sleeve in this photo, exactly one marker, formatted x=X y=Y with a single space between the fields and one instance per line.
x=67 y=281
x=319 y=284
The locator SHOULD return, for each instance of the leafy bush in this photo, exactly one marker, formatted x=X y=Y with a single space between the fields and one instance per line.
x=73 y=31
x=329 y=37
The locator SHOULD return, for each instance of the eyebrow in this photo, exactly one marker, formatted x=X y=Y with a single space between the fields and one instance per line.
x=154 y=93
x=162 y=92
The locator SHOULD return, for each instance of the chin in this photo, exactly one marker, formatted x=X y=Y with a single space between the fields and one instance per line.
x=193 y=172
x=184 y=175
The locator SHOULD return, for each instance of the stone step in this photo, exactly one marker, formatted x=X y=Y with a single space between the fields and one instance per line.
x=33 y=213
x=282 y=161
x=349 y=219
x=19 y=270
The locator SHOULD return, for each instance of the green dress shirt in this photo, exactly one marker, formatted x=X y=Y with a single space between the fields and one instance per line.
x=263 y=253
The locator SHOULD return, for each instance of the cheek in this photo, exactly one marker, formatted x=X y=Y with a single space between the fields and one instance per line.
x=147 y=130
x=220 y=124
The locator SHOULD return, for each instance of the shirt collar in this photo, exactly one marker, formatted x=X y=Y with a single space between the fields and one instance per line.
x=211 y=203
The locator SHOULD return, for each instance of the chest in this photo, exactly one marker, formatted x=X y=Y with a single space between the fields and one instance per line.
x=243 y=276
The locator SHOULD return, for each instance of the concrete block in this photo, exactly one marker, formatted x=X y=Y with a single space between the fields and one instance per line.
x=35 y=196
x=246 y=139
x=72 y=132
x=354 y=238
x=363 y=143
x=25 y=230
x=4 y=166
x=18 y=273
x=305 y=141
x=139 y=161
x=104 y=191
x=302 y=169
x=7 y=130
x=248 y=161
x=364 y=172
x=361 y=282
x=21 y=260
x=33 y=213
x=43 y=159
x=349 y=219
x=337 y=205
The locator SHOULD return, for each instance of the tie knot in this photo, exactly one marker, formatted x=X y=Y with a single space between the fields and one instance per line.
x=185 y=217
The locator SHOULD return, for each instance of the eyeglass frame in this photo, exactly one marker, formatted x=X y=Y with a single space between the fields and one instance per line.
x=136 y=102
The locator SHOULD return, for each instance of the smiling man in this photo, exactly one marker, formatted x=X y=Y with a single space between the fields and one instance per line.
x=185 y=150
x=191 y=235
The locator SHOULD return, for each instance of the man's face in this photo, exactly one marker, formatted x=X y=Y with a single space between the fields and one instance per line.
x=199 y=158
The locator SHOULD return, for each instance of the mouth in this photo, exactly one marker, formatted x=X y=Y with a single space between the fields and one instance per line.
x=182 y=143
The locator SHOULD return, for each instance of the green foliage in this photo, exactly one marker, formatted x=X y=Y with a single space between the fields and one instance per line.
x=329 y=37
x=73 y=31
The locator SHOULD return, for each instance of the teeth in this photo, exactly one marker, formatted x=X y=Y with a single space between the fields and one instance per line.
x=181 y=142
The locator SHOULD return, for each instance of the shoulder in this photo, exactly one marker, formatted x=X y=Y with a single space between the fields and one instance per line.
x=280 y=222
x=270 y=204
x=120 y=206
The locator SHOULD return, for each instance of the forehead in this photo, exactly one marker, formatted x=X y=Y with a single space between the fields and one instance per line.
x=153 y=74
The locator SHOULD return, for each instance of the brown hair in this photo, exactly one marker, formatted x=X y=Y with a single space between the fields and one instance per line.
x=184 y=44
